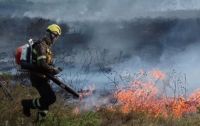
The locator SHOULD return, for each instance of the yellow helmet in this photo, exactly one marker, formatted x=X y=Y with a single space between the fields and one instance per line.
x=54 y=28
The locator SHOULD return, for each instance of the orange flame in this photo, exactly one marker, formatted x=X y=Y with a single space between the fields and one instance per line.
x=88 y=92
x=143 y=96
x=157 y=74
x=76 y=111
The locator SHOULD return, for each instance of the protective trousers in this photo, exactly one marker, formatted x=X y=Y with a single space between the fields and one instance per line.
x=47 y=95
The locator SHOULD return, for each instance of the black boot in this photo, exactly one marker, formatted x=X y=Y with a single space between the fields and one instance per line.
x=26 y=107
x=41 y=115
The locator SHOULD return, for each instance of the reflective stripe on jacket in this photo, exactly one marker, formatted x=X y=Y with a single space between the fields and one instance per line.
x=42 y=55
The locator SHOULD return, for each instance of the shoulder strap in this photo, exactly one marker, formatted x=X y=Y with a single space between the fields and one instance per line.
x=31 y=44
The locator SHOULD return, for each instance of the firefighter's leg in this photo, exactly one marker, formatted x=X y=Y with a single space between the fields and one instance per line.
x=27 y=105
x=47 y=97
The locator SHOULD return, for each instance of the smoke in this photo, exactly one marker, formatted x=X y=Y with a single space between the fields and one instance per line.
x=109 y=10
x=188 y=63
x=110 y=35
x=104 y=10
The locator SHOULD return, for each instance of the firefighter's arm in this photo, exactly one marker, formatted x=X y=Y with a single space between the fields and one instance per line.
x=42 y=63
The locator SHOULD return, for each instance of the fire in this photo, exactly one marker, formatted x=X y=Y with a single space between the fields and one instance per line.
x=86 y=100
x=157 y=74
x=144 y=96
x=195 y=98
x=141 y=96
x=76 y=111
x=88 y=92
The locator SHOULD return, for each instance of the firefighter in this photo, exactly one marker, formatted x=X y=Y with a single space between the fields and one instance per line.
x=42 y=58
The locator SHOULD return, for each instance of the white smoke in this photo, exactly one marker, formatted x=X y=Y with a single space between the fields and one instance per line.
x=186 y=61
x=113 y=10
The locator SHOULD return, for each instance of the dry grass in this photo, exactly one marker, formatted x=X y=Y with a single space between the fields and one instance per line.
x=61 y=113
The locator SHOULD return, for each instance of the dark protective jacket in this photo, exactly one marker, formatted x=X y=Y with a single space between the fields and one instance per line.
x=42 y=56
